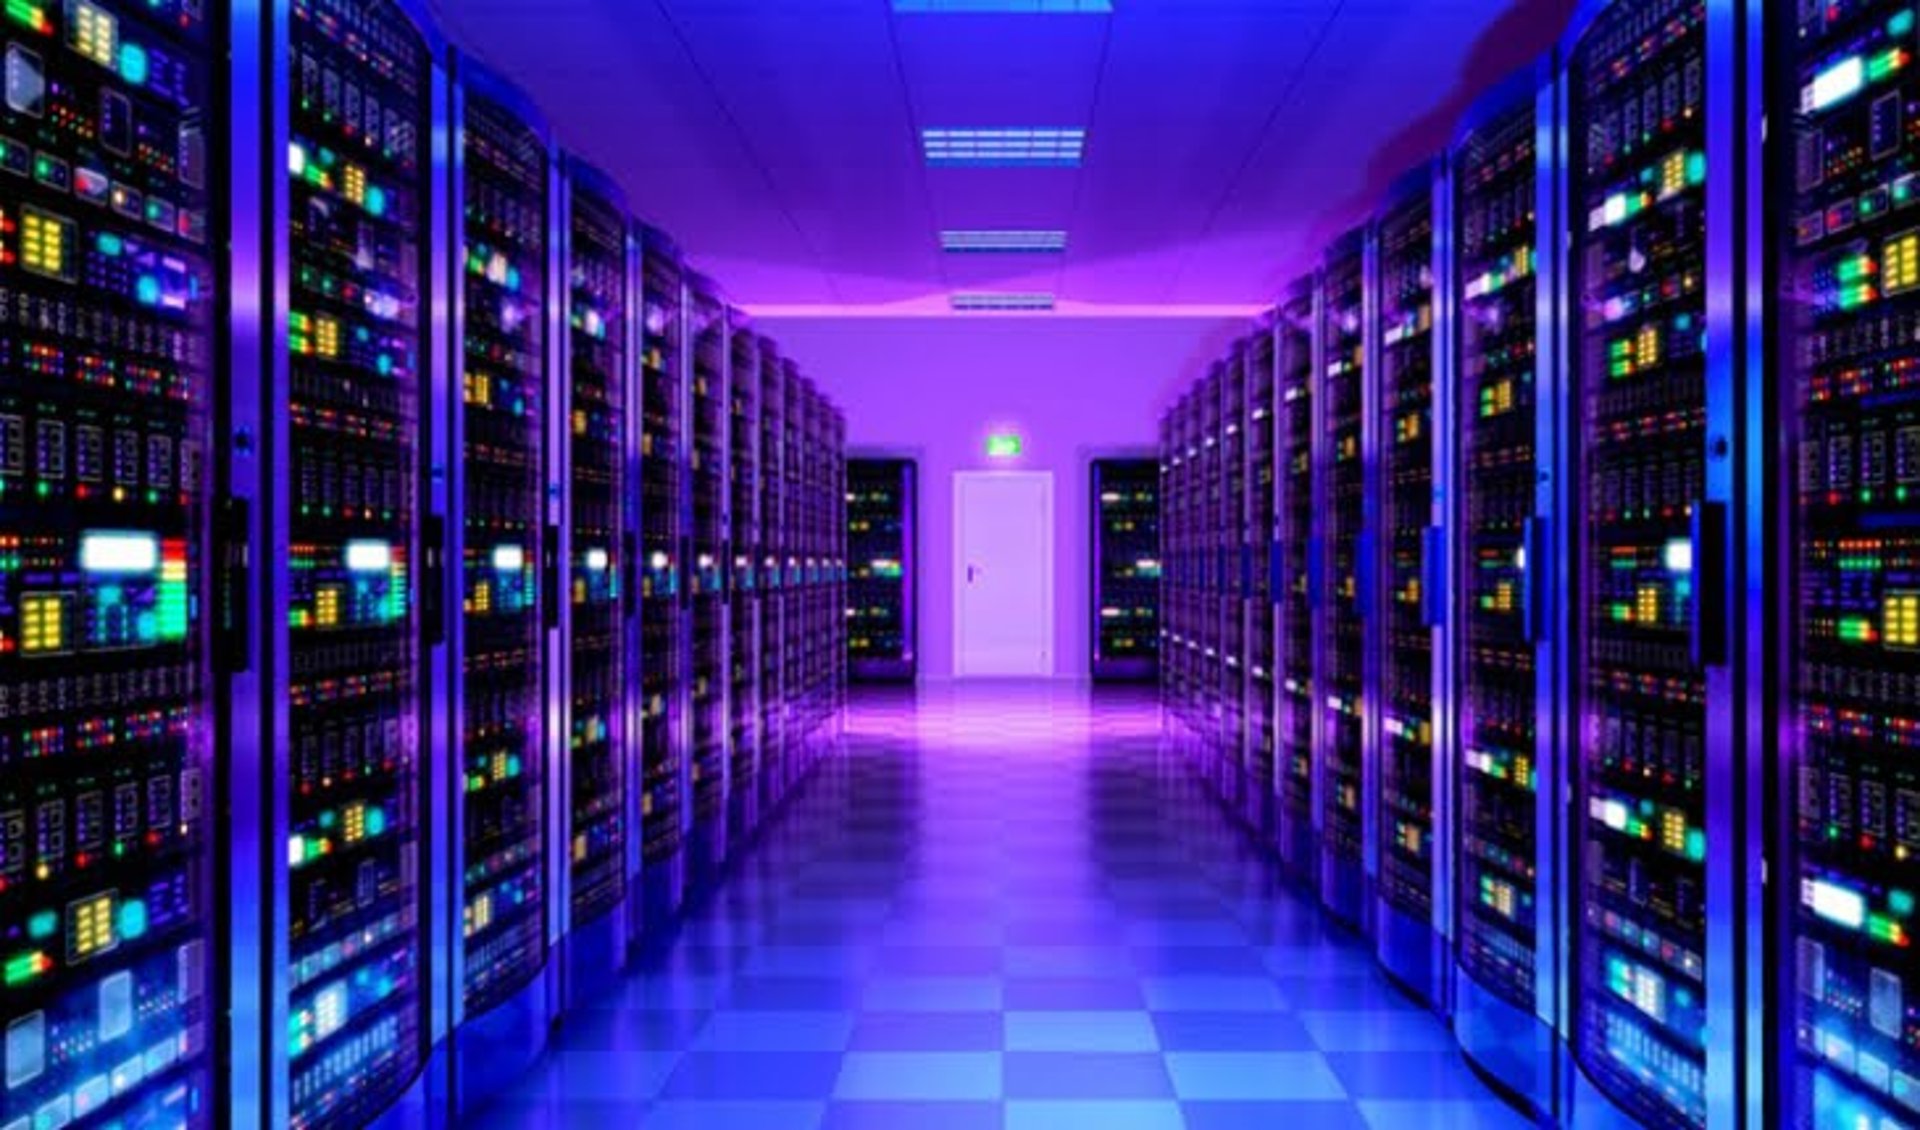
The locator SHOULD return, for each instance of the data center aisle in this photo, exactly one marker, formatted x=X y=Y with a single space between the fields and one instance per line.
x=1006 y=907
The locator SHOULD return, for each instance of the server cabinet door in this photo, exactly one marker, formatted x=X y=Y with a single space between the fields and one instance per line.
x=111 y=775
x=1849 y=491
x=1345 y=781
x=1656 y=858
x=1502 y=553
x=354 y=599
x=1297 y=569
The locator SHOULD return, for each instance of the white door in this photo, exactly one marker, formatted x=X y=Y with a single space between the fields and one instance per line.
x=1003 y=573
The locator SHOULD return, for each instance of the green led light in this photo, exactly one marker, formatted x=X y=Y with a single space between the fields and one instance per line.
x=1006 y=445
x=22 y=968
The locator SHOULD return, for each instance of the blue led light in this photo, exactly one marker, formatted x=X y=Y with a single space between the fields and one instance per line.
x=133 y=63
x=1060 y=148
x=1036 y=7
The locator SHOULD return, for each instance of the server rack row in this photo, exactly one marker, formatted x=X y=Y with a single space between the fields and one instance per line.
x=1125 y=553
x=1585 y=644
x=326 y=639
x=883 y=548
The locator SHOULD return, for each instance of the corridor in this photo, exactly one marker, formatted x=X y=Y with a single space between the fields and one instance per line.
x=1005 y=906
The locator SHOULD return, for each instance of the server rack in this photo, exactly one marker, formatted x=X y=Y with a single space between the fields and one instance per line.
x=837 y=534
x=1654 y=691
x=1209 y=538
x=1298 y=575
x=1502 y=276
x=1841 y=525
x=744 y=596
x=1170 y=562
x=112 y=765
x=793 y=592
x=1228 y=520
x=505 y=545
x=664 y=440
x=1127 y=576
x=602 y=650
x=883 y=547
x=1174 y=664
x=707 y=414
x=776 y=637
x=1345 y=782
x=1406 y=337
x=331 y=434
x=1259 y=512
x=813 y=639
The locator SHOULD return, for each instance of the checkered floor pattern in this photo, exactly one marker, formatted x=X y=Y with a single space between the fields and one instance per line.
x=1005 y=907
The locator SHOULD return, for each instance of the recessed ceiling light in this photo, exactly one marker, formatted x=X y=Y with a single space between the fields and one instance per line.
x=1012 y=241
x=1070 y=7
x=1002 y=300
x=1047 y=148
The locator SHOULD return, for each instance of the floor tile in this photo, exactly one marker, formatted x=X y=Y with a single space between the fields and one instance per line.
x=1081 y=1031
x=1086 y=1075
x=919 y=1075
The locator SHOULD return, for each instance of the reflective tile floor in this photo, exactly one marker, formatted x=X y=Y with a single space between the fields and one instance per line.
x=1003 y=907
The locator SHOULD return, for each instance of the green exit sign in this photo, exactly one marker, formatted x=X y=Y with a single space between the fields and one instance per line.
x=1003 y=446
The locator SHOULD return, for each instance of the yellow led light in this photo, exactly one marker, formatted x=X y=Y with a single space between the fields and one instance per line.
x=478 y=388
x=1673 y=831
x=46 y=244
x=354 y=183
x=326 y=607
x=1902 y=257
x=1673 y=174
x=95 y=34
x=327 y=337
x=1647 y=604
x=1902 y=625
x=1647 y=349
x=43 y=623
x=355 y=824
x=90 y=927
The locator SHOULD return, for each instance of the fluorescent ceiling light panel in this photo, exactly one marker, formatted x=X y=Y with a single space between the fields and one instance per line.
x=1002 y=148
x=1005 y=241
x=1001 y=300
x=1042 y=7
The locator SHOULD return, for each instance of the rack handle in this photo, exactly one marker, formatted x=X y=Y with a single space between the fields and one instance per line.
x=1433 y=577
x=1709 y=538
x=550 y=576
x=235 y=652
x=1534 y=574
x=433 y=595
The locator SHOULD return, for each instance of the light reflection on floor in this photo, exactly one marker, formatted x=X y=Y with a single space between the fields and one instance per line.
x=1004 y=907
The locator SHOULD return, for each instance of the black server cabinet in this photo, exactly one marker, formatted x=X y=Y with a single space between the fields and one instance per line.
x=1847 y=498
x=811 y=519
x=1296 y=574
x=355 y=587
x=1502 y=599
x=1126 y=569
x=1260 y=512
x=707 y=415
x=1408 y=558
x=1173 y=557
x=882 y=549
x=774 y=633
x=1228 y=520
x=744 y=594
x=837 y=495
x=110 y=771
x=1344 y=781
x=602 y=551
x=793 y=593
x=1665 y=779
x=1169 y=558
x=502 y=547
x=1210 y=536
x=664 y=442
